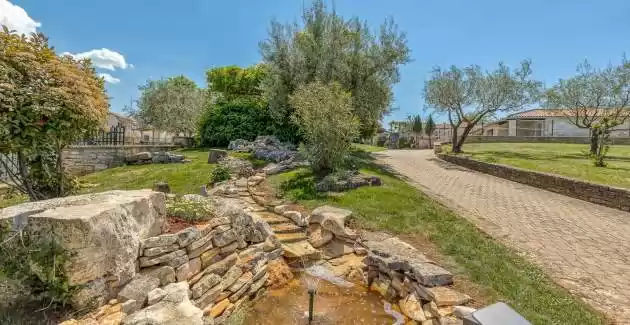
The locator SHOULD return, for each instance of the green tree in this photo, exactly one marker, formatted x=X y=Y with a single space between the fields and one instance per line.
x=227 y=120
x=233 y=82
x=469 y=95
x=594 y=99
x=328 y=47
x=324 y=112
x=174 y=105
x=415 y=124
x=429 y=127
x=46 y=103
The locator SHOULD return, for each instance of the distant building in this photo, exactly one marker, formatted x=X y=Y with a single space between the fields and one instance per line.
x=135 y=132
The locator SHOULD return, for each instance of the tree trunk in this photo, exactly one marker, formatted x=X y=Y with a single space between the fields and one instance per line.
x=430 y=144
x=456 y=147
x=594 y=141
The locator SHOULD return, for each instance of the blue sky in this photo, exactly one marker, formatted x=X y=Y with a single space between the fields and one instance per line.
x=163 y=38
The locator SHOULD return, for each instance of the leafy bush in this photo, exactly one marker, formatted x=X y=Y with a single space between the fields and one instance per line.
x=236 y=119
x=190 y=211
x=36 y=262
x=324 y=113
x=219 y=174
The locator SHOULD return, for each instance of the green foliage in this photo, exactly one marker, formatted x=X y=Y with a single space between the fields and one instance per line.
x=324 y=113
x=173 y=104
x=236 y=119
x=191 y=211
x=594 y=99
x=219 y=174
x=470 y=95
x=333 y=49
x=415 y=123
x=233 y=82
x=429 y=127
x=46 y=102
x=36 y=262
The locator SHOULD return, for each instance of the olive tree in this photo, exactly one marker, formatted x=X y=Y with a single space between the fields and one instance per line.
x=174 y=105
x=469 y=95
x=594 y=99
x=324 y=113
x=46 y=103
x=325 y=46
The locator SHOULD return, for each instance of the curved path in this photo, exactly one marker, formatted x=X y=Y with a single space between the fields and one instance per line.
x=583 y=246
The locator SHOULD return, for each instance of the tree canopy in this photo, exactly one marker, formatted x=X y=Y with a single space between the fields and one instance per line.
x=469 y=95
x=46 y=102
x=173 y=104
x=329 y=48
x=233 y=82
x=594 y=99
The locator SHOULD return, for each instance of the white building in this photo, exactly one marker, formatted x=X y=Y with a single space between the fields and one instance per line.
x=550 y=123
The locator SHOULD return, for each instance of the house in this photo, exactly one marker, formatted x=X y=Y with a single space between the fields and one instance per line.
x=135 y=132
x=552 y=123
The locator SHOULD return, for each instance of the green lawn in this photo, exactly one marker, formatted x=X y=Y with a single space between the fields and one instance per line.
x=557 y=158
x=399 y=208
x=367 y=147
x=182 y=178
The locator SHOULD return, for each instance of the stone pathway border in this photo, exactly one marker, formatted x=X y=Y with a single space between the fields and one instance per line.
x=583 y=246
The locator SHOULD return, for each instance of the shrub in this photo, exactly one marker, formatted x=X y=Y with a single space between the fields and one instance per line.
x=324 y=113
x=190 y=211
x=235 y=119
x=36 y=263
x=219 y=174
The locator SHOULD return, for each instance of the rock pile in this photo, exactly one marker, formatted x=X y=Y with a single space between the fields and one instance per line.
x=346 y=180
x=238 y=167
x=265 y=147
x=161 y=157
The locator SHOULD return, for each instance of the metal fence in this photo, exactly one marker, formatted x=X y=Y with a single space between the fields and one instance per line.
x=114 y=137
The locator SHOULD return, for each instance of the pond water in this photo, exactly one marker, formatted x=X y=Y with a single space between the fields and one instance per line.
x=333 y=305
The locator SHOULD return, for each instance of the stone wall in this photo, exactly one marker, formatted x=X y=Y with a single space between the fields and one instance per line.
x=81 y=160
x=523 y=139
x=613 y=197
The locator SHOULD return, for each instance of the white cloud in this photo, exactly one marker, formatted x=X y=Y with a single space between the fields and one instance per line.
x=109 y=78
x=16 y=18
x=103 y=58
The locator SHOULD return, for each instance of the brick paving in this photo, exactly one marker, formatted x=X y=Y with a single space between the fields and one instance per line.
x=583 y=246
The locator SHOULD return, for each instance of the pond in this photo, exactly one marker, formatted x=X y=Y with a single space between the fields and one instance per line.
x=334 y=304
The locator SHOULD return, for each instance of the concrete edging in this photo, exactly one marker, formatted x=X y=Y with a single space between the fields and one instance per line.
x=613 y=197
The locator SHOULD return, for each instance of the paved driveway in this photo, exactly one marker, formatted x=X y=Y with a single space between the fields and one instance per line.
x=583 y=246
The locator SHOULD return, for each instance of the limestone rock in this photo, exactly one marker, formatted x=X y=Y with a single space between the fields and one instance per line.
x=222 y=266
x=173 y=309
x=164 y=273
x=129 y=307
x=209 y=256
x=208 y=298
x=150 y=261
x=278 y=273
x=158 y=241
x=154 y=296
x=224 y=238
x=154 y=251
x=137 y=289
x=258 y=284
x=206 y=282
x=187 y=236
x=336 y=248
x=189 y=269
x=201 y=246
x=271 y=243
x=231 y=276
x=412 y=308
x=219 y=307
x=297 y=217
x=333 y=219
x=241 y=281
x=444 y=296
x=229 y=248
x=101 y=232
x=214 y=155
x=449 y=321
x=317 y=236
x=435 y=311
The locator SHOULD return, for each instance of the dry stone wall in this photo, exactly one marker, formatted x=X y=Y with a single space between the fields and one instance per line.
x=81 y=160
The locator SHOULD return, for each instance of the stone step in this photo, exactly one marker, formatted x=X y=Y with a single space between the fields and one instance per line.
x=291 y=237
x=300 y=250
x=273 y=219
x=286 y=228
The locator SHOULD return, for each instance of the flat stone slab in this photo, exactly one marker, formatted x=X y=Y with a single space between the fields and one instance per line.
x=393 y=253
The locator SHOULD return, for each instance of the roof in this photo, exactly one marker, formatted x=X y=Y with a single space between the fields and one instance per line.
x=554 y=112
x=128 y=118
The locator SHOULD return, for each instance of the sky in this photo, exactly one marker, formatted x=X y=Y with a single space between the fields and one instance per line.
x=133 y=41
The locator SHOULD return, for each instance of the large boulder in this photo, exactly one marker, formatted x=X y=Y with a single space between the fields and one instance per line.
x=214 y=155
x=333 y=219
x=100 y=232
x=238 y=167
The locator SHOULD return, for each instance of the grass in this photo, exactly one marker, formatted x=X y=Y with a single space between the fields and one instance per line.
x=557 y=158
x=367 y=147
x=182 y=178
x=400 y=208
